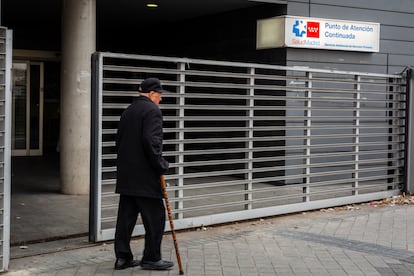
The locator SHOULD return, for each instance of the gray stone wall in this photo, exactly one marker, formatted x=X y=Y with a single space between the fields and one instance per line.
x=396 y=38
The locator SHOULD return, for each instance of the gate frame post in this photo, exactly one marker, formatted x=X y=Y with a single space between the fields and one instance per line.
x=409 y=157
x=95 y=161
x=5 y=258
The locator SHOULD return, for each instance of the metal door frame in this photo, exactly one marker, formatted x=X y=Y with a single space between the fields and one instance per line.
x=28 y=151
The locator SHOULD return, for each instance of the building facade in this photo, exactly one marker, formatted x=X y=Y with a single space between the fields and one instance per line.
x=53 y=44
x=56 y=38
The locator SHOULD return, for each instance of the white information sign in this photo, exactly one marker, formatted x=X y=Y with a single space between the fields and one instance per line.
x=317 y=33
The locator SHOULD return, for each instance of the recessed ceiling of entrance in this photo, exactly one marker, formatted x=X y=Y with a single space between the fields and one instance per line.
x=126 y=11
x=168 y=10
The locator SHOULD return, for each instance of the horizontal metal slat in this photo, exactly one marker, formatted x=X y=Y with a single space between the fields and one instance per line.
x=355 y=141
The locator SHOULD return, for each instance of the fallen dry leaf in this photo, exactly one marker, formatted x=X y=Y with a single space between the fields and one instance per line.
x=402 y=199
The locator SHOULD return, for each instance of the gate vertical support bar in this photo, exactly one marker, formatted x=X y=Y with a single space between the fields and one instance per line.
x=409 y=156
x=7 y=151
x=249 y=186
x=96 y=149
x=308 y=133
x=397 y=146
x=357 y=115
x=181 y=125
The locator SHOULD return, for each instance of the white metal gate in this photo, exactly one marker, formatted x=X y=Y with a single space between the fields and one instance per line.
x=251 y=140
x=5 y=143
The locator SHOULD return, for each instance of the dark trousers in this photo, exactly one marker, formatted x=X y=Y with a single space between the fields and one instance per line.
x=152 y=212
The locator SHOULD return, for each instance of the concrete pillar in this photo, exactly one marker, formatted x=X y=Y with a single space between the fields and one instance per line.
x=78 y=43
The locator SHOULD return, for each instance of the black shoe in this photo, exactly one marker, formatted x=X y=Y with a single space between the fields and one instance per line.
x=159 y=265
x=124 y=263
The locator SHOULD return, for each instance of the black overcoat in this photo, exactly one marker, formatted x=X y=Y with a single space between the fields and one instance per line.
x=139 y=145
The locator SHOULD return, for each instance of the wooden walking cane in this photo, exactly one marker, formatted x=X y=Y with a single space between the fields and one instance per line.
x=170 y=218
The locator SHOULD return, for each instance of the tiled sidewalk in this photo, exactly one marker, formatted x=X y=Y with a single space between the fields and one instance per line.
x=360 y=240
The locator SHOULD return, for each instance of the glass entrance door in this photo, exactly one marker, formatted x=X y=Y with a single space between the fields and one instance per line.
x=27 y=108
